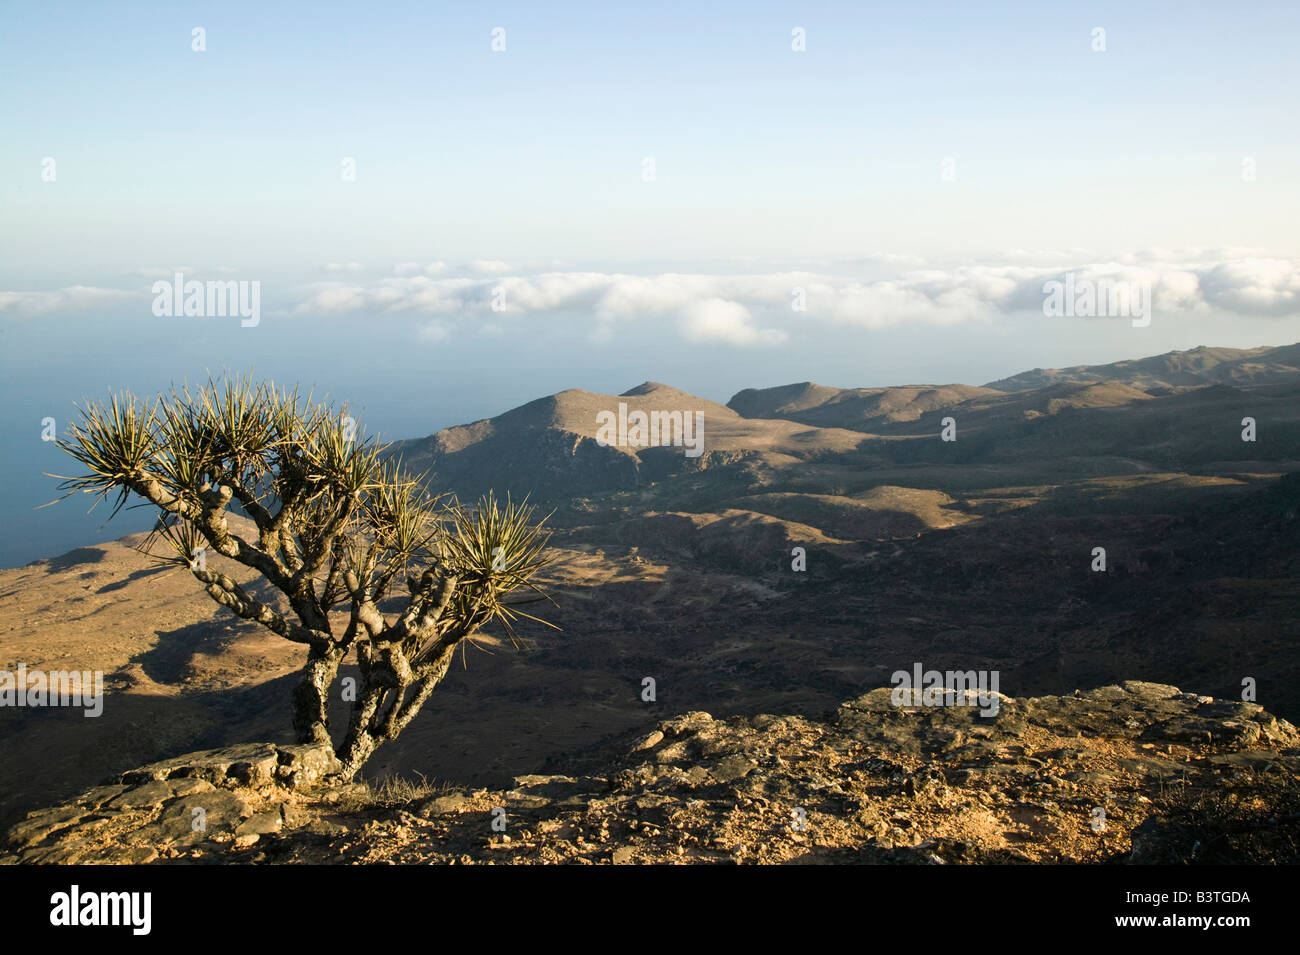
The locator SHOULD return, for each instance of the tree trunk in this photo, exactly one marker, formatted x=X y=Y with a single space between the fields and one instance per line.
x=365 y=734
x=359 y=748
x=311 y=695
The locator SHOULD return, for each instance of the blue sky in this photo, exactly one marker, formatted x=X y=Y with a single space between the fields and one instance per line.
x=534 y=154
x=522 y=172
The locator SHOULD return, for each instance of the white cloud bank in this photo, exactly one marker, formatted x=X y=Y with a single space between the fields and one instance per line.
x=757 y=309
x=72 y=299
x=718 y=320
x=749 y=309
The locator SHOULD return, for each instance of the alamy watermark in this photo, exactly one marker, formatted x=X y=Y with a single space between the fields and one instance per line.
x=211 y=299
x=1098 y=298
x=919 y=687
x=60 y=688
x=648 y=429
x=75 y=907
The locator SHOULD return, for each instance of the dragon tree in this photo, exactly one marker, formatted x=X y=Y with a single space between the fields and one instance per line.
x=340 y=531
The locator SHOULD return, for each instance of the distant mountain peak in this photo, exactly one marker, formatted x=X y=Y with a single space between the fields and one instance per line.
x=1195 y=367
x=648 y=387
